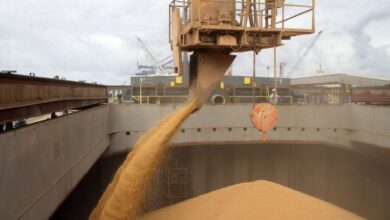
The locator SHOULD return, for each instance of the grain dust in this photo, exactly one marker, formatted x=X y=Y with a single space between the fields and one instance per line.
x=125 y=195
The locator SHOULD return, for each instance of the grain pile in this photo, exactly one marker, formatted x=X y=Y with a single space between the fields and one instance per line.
x=125 y=194
x=256 y=200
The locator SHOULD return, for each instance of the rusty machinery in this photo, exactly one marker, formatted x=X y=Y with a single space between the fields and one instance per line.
x=23 y=96
x=213 y=29
x=228 y=25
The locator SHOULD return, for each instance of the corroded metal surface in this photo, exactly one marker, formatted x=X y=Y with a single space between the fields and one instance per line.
x=26 y=96
x=371 y=95
x=235 y=25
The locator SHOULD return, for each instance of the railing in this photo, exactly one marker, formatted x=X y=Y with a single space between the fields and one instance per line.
x=260 y=14
x=329 y=99
x=258 y=99
x=160 y=99
x=184 y=7
x=232 y=99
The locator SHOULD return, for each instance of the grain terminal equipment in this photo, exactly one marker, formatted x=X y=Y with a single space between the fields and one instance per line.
x=212 y=33
x=58 y=168
x=230 y=25
x=214 y=29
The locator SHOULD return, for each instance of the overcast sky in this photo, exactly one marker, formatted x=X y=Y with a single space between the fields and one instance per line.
x=94 y=40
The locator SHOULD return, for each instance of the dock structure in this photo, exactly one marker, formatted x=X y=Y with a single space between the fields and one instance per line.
x=24 y=97
x=326 y=136
x=45 y=162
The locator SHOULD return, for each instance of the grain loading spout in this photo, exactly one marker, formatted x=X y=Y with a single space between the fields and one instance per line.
x=213 y=29
x=206 y=70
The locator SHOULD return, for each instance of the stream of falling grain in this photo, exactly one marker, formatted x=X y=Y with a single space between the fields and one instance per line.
x=124 y=196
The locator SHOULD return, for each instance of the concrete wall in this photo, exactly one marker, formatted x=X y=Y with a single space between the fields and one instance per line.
x=338 y=153
x=342 y=125
x=350 y=180
x=80 y=203
x=41 y=163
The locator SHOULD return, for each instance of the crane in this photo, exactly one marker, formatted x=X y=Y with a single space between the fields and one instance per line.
x=308 y=49
x=159 y=70
x=165 y=63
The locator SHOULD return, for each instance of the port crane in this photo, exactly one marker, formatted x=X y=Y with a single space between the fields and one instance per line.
x=307 y=51
x=146 y=70
x=159 y=69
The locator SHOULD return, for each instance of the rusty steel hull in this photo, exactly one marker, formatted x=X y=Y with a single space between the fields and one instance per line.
x=371 y=95
x=25 y=96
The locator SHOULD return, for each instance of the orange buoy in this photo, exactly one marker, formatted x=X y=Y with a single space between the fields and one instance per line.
x=264 y=117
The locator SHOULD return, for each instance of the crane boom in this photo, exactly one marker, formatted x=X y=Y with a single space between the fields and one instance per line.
x=308 y=49
x=156 y=65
